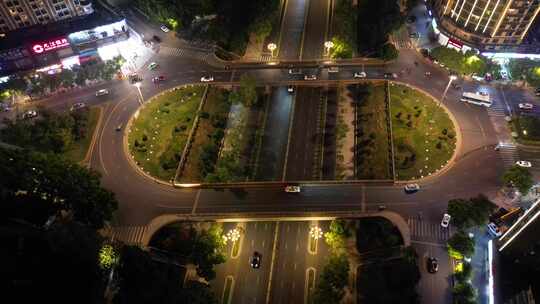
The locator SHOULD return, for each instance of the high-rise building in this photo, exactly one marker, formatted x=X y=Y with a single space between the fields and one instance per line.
x=16 y=14
x=488 y=25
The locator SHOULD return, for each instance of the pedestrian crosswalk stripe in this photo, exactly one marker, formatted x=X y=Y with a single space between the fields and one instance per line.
x=428 y=231
x=131 y=235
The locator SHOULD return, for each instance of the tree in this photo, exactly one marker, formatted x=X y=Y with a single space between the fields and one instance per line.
x=519 y=177
x=463 y=293
x=203 y=247
x=341 y=49
x=58 y=263
x=376 y=20
x=333 y=279
x=48 y=183
x=336 y=236
x=247 y=91
x=459 y=210
x=141 y=280
x=482 y=207
x=465 y=273
x=388 y=52
x=468 y=213
x=462 y=243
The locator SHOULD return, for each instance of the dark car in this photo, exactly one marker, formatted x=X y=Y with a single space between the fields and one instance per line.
x=537 y=92
x=156 y=38
x=255 y=260
x=432 y=265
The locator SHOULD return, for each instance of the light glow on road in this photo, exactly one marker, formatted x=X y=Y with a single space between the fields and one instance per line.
x=490 y=274
x=187 y=185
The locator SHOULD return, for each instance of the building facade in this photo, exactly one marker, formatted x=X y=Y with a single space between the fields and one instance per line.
x=487 y=25
x=17 y=14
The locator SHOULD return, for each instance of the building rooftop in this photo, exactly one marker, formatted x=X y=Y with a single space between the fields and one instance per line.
x=53 y=30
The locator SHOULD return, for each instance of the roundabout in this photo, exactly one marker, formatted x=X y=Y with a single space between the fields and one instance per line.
x=142 y=200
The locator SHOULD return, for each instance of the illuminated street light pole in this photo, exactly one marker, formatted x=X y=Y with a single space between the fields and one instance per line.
x=272 y=47
x=328 y=45
x=233 y=235
x=452 y=78
x=315 y=232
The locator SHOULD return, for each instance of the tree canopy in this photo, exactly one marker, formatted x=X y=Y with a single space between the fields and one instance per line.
x=333 y=279
x=376 y=20
x=462 y=243
x=36 y=186
x=202 y=247
x=520 y=178
x=468 y=213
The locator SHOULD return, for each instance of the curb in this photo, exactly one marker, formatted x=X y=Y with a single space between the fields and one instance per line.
x=86 y=158
x=125 y=144
x=459 y=140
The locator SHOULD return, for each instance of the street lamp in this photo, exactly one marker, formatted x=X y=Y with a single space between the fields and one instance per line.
x=315 y=232
x=233 y=235
x=452 y=78
x=272 y=47
x=138 y=86
x=328 y=45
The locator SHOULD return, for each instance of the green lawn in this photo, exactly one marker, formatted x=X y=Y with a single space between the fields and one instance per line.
x=159 y=133
x=424 y=135
x=78 y=149
x=373 y=156
x=204 y=150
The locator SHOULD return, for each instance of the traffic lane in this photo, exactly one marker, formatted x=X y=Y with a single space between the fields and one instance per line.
x=250 y=284
x=434 y=287
x=468 y=177
x=315 y=30
x=303 y=138
x=292 y=28
x=132 y=189
x=293 y=260
x=276 y=133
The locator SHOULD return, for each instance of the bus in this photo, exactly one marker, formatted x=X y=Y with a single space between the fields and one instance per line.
x=477 y=98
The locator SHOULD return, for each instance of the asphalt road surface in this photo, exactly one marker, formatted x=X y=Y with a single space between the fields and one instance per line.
x=303 y=140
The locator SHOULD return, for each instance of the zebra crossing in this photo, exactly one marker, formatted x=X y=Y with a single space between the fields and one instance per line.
x=497 y=109
x=509 y=154
x=130 y=235
x=422 y=230
x=200 y=54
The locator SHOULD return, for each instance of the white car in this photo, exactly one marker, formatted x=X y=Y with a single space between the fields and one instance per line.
x=411 y=188
x=29 y=114
x=78 y=105
x=102 y=92
x=207 y=79
x=290 y=89
x=310 y=77
x=524 y=163
x=445 y=220
x=494 y=230
x=164 y=28
x=292 y=189
x=360 y=75
x=526 y=106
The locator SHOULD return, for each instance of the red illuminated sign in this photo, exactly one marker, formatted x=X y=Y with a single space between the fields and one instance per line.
x=50 y=45
x=455 y=43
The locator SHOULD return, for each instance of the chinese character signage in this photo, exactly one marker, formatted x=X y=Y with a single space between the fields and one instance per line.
x=50 y=45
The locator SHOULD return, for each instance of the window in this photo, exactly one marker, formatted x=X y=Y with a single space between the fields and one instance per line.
x=17 y=18
x=19 y=9
x=34 y=6
x=64 y=6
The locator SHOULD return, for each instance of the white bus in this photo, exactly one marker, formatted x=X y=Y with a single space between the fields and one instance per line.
x=477 y=98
